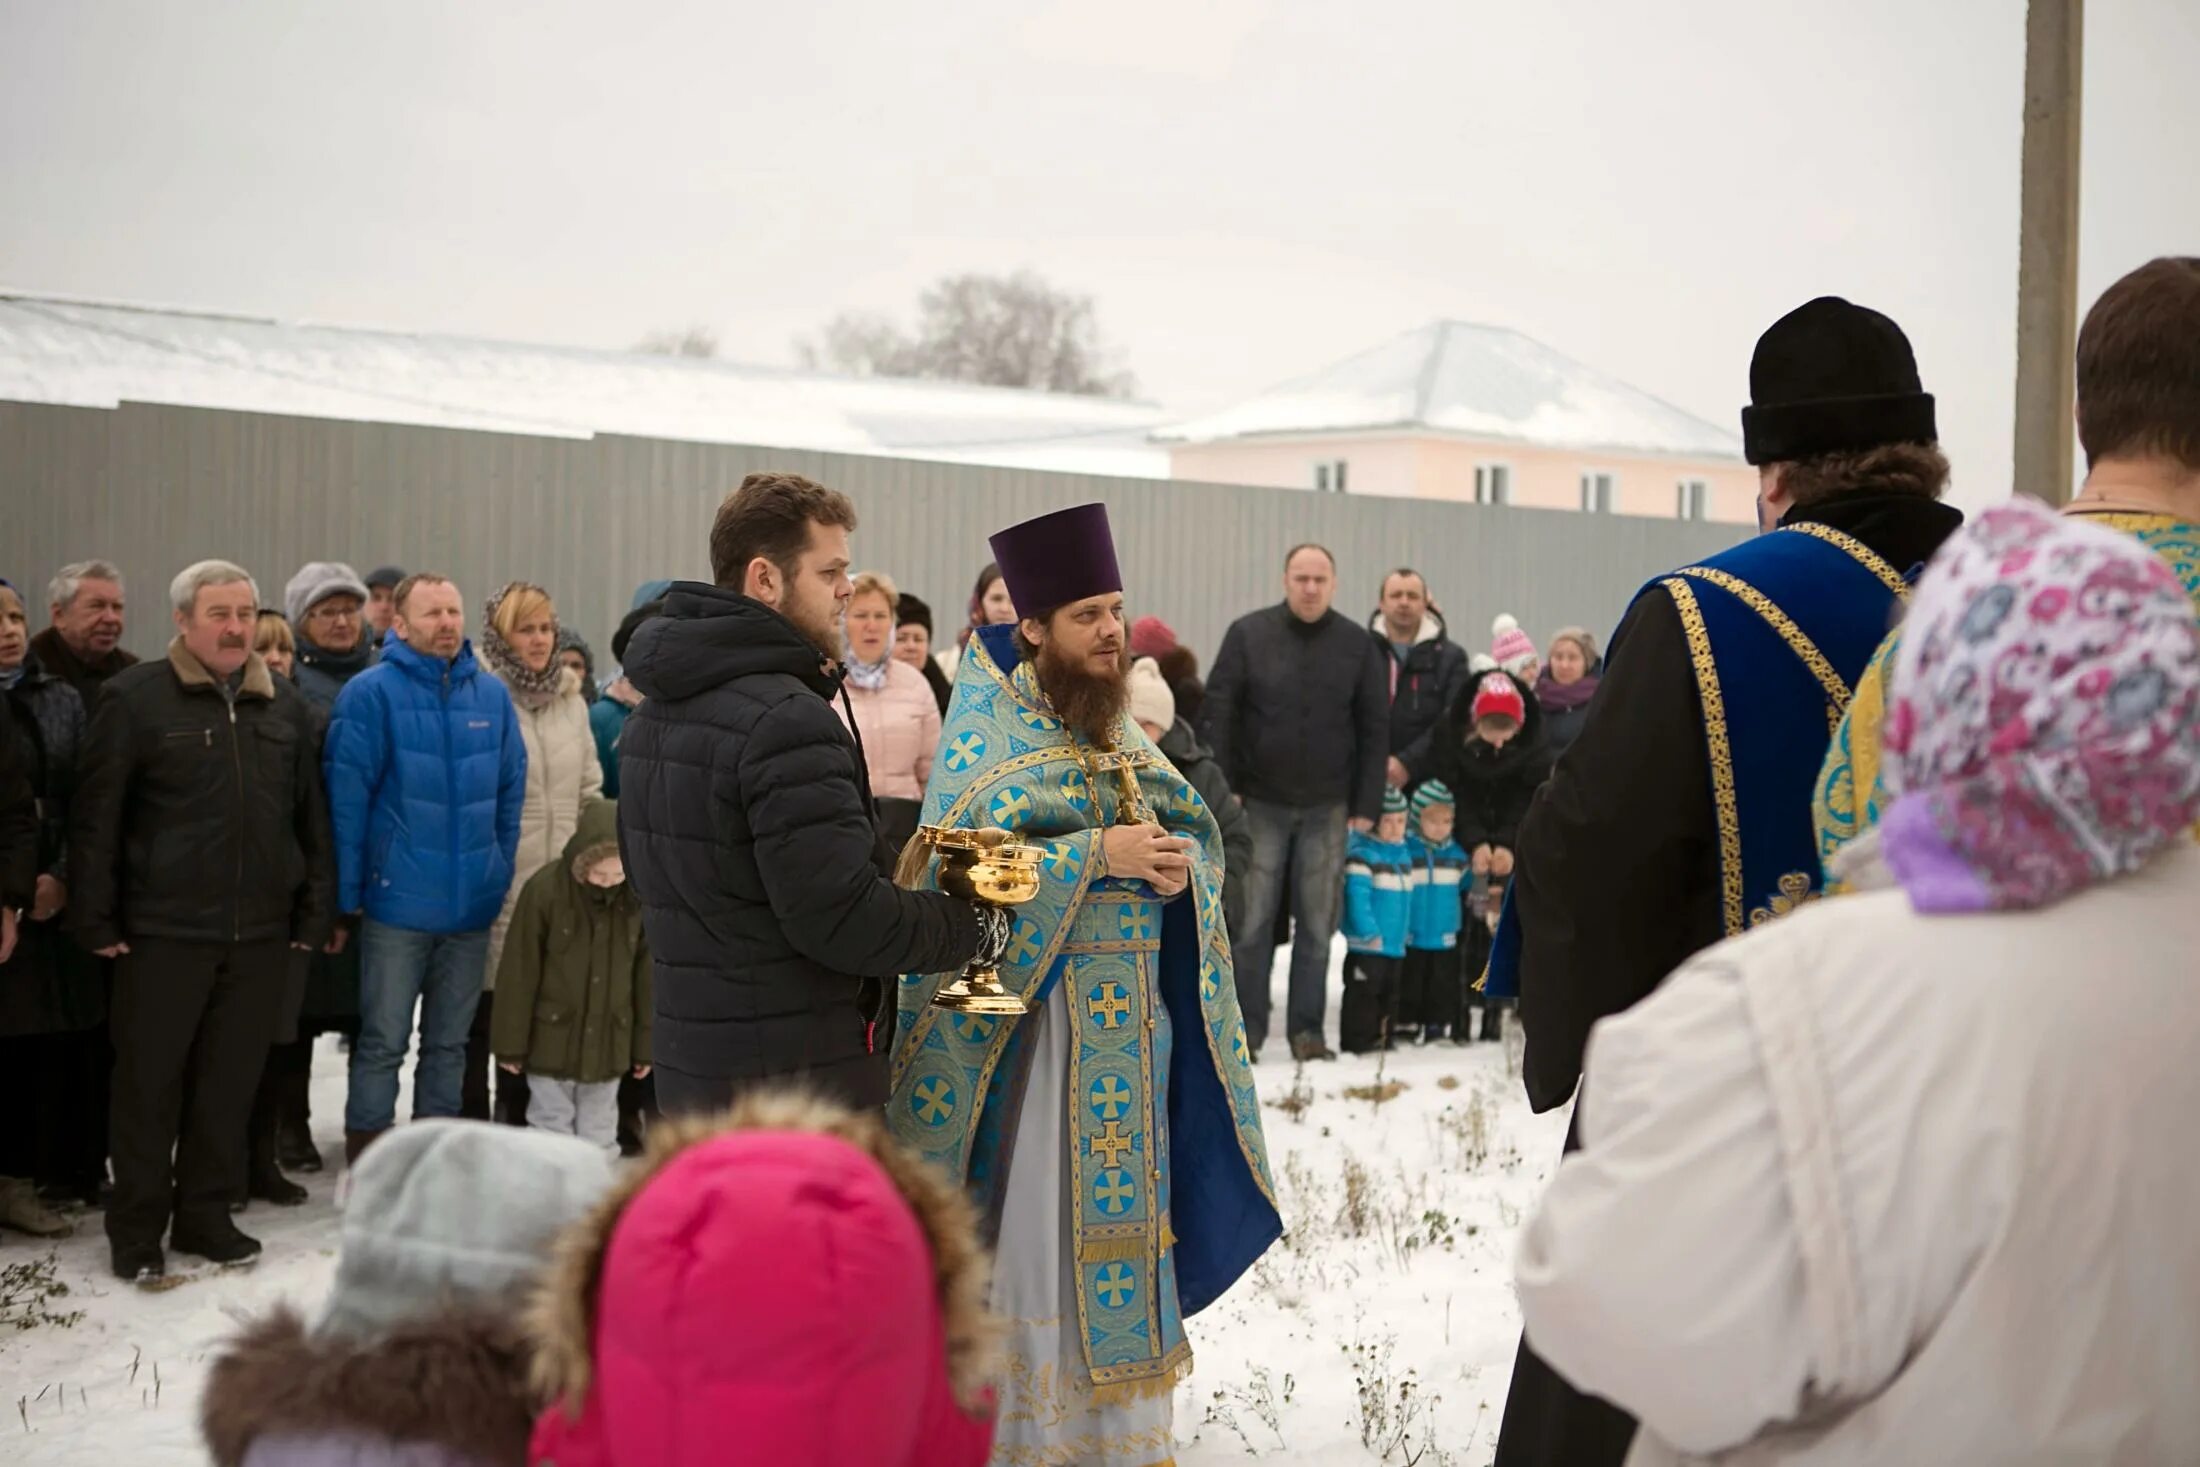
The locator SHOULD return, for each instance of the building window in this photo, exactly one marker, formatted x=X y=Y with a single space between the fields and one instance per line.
x=1596 y=492
x=1493 y=484
x=1329 y=476
x=1694 y=500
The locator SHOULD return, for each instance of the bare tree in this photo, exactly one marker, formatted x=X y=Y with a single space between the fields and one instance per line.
x=1003 y=330
x=861 y=344
x=695 y=341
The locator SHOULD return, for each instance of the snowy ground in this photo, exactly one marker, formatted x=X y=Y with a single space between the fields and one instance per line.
x=1380 y=1330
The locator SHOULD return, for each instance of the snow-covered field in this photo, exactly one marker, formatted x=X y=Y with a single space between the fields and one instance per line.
x=1380 y=1330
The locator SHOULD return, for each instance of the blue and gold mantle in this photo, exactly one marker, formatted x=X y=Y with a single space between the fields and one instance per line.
x=1778 y=630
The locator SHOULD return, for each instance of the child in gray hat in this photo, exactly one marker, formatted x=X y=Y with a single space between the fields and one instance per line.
x=417 y=1359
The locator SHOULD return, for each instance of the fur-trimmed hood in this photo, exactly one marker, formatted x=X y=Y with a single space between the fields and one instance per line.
x=742 y=1244
x=458 y=1383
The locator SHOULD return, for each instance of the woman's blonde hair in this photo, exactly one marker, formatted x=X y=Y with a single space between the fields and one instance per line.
x=517 y=603
x=876 y=583
x=274 y=634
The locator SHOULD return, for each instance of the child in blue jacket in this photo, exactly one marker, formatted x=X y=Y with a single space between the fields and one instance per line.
x=1428 y=982
x=1377 y=867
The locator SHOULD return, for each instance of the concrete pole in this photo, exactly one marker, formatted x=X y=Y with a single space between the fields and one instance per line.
x=2047 y=257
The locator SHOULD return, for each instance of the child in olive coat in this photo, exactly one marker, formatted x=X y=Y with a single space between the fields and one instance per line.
x=573 y=989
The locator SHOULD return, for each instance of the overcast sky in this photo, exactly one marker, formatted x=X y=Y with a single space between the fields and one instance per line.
x=1250 y=190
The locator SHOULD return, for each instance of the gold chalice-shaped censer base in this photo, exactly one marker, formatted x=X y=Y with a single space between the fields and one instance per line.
x=988 y=866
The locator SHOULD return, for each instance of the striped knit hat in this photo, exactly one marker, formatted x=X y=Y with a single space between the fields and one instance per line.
x=1432 y=792
x=1511 y=647
x=1394 y=800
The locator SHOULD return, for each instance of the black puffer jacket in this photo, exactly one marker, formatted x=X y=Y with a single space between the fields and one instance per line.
x=197 y=818
x=1299 y=712
x=1493 y=787
x=50 y=986
x=321 y=674
x=746 y=826
x=18 y=828
x=1424 y=683
x=1196 y=762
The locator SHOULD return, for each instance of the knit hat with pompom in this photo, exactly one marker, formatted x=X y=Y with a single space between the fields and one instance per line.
x=1510 y=646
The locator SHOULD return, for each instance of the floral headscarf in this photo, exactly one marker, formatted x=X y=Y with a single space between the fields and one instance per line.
x=534 y=689
x=2044 y=723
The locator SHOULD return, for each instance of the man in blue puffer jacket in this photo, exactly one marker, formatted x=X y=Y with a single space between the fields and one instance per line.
x=426 y=774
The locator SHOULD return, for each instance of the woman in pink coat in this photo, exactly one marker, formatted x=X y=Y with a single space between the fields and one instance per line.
x=783 y=1285
x=896 y=717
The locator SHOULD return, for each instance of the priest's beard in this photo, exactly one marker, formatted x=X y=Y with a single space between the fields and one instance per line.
x=1090 y=703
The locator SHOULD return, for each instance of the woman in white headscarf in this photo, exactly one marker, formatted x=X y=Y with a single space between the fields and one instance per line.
x=1908 y=1176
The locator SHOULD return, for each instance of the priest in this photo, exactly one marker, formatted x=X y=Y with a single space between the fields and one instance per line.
x=1110 y=1135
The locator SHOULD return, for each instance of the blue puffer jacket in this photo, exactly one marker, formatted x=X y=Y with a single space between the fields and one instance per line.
x=1375 y=877
x=426 y=775
x=1434 y=914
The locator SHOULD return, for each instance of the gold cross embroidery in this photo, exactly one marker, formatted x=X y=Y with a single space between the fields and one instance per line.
x=1111 y=1144
x=1110 y=1005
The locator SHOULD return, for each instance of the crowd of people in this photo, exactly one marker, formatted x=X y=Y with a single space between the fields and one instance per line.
x=1850 y=946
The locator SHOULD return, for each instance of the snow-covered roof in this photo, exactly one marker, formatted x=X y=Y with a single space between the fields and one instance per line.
x=88 y=354
x=1475 y=381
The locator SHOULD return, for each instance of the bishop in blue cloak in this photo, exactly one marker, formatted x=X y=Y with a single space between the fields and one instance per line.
x=1110 y=1135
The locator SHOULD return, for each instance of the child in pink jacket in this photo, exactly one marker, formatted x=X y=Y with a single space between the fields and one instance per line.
x=786 y=1286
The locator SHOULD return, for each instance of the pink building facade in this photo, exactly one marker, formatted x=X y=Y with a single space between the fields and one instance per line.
x=1406 y=465
x=1477 y=414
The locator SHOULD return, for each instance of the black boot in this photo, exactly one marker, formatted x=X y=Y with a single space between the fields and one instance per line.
x=139 y=1263
x=227 y=1246
x=1493 y=1020
x=294 y=1148
x=264 y=1180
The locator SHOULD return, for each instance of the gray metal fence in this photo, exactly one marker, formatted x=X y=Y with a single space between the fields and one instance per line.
x=154 y=488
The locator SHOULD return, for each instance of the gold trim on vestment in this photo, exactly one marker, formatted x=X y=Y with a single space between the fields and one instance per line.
x=1798 y=640
x=1721 y=749
x=1859 y=552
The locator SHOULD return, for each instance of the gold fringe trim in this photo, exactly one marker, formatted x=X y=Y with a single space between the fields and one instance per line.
x=1153 y=1387
x=1113 y=1250
x=1168 y=1235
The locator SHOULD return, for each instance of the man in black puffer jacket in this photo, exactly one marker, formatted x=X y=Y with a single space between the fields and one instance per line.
x=746 y=823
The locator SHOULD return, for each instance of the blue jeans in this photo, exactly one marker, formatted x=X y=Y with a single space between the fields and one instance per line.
x=399 y=969
x=1300 y=850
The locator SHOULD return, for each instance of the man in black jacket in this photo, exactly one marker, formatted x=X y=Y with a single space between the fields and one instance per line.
x=82 y=647
x=1620 y=873
x=1298 y=710
x=746 y=822
x=199 y=856
x=1427 y=669
x=1153 y=708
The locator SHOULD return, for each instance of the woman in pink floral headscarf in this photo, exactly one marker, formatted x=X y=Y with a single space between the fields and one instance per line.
x=1909 y=1176
x=2042 y=736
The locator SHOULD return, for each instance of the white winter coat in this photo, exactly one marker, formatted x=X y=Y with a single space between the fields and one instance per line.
x=1868 y=1187
x=563 y=773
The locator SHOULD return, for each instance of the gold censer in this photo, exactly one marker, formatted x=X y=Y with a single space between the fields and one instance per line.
x=986 y=866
